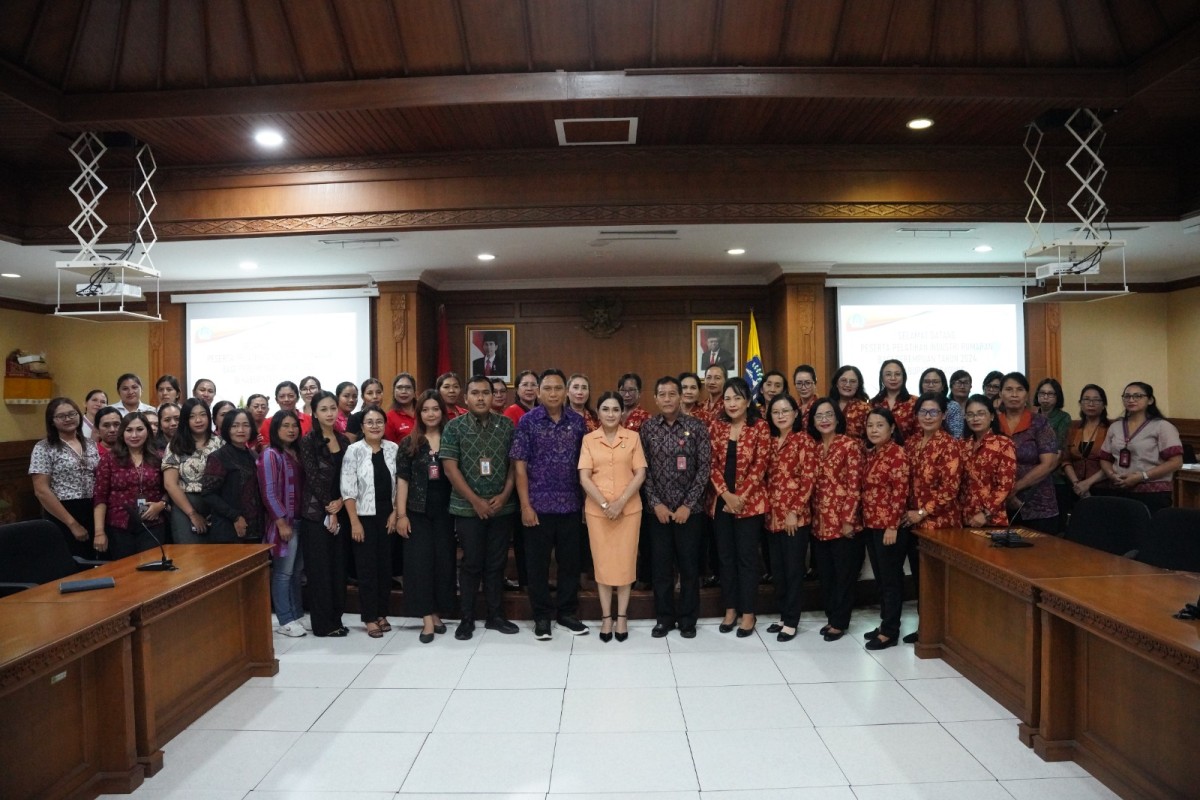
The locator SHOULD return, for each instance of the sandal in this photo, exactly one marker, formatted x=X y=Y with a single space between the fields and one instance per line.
x=383 y=624
x=374 y=631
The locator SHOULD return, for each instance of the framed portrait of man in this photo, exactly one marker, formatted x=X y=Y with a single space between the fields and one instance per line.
x=491 y=351
x=717 y=343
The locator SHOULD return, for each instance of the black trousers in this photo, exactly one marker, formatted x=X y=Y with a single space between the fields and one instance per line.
x=788 y=569
x=80 y=510
x=485 y=551
x=124 y=542
x=325 y=570
x=518 y=548
x=676 y=547
x=373 y=560
x=429 y=563
x=887 y=562
x=839 y=562
x=737 y=547
x=562 y=533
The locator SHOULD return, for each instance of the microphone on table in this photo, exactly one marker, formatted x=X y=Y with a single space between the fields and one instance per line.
x=162 y=565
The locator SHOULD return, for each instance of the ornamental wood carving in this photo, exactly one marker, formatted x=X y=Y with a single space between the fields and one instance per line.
x=399 y=305
x=991 y=575
x=1183 y=661
x=62 y=652
x=226 y=576
x=804 y=310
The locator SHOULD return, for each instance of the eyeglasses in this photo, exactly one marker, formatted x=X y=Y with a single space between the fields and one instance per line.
x=806 y=384
x=1090 y=400
x=961 y=382
x=1048 y=395
x=825 y=416
x=70 y=416
x=929 y=413
x=977 y=415
x=373 y=423
x=781 y=412
x=1134 y=396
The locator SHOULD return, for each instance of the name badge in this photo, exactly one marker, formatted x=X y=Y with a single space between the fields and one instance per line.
x=681 y=463
x=485 y=467
x=435 y=471
x=1124 y=457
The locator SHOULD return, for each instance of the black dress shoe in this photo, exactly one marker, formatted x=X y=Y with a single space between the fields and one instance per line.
x=661 y=629
x=440 y=628
x=425 y=638
x=783 y=636
x=881 y=644
x=871 y=634
x=727 y=627
x=711 y=582
x=745 y=633
x=465 y=630
x=912 y=638
x=621 y=636
x=688 y=632
x=573 y=625
x=511 y=585
x=501 y=625
x=774 y=627
x=824 y=630
x=833 y=637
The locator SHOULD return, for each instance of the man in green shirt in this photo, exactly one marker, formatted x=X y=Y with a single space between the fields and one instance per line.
x=474 y=453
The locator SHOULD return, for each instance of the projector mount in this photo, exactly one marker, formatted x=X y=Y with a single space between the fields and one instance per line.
x=108 y=280
x=1079 y=255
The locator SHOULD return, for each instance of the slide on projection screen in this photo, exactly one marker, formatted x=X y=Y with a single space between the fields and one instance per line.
x=249 y=347
x=976 y=329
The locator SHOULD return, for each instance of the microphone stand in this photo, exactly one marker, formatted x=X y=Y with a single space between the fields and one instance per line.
x=164 y=564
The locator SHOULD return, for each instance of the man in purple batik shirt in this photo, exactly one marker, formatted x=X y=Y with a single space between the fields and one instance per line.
x=545 y=457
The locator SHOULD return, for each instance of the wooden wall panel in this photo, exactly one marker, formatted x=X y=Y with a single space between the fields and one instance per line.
x=654 y=338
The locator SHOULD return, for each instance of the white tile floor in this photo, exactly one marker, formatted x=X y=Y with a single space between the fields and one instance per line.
x=713 y=718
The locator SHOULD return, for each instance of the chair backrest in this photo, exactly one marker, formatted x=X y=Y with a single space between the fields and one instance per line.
x=1173 y=540
x=34 y=552
x=1111 y=524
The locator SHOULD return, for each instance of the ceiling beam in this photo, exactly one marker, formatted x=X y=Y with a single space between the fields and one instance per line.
x=1179 y=52
x=1070 y=87
x=29 y=91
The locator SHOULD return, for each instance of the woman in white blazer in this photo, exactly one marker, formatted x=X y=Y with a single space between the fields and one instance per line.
x=368 y=488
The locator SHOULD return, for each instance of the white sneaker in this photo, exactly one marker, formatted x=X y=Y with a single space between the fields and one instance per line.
x=293 y=629
x=306 y=622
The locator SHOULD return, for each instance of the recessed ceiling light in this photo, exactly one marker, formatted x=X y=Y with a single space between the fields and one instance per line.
x=919 y=124
x=269 y=138
x=248 y=265
x=9 y=275
x=736 y=251
x=983 y=248
x=486 y=257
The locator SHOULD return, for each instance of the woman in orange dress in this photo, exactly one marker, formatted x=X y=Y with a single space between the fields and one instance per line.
x=884 y=502
x=893 y=395
x=791 y=474
x=741 y=445
x=989 y=466
x=836 y=546
x=847 y=387
x=612 y=467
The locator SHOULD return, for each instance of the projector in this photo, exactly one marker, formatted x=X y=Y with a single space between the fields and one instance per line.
x=1065 y=268
x=108 y=290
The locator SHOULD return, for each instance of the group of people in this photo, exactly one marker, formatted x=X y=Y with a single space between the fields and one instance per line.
x=766 y=476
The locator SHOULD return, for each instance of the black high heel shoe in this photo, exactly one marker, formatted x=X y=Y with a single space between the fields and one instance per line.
x=605 y=637
x=621 y=636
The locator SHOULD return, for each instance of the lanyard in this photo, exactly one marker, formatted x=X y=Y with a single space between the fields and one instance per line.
x=1125 y=429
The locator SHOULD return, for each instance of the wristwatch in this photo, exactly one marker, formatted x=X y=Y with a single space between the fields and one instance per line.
x=1145 y=477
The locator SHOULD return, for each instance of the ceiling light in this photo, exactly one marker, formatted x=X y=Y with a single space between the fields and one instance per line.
x=983 y=248
x=919 y=124
x=736 y=251
x=269 y=138
x=486 y=257
x=248 y=265
x=9 y=275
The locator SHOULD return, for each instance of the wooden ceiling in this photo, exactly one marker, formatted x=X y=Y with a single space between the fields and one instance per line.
x=364 y=78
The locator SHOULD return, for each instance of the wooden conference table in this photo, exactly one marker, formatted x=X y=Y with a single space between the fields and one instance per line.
x=1028 y=625
x=193 y=636
x=979 y=609
x=1120 y=682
